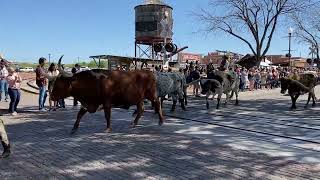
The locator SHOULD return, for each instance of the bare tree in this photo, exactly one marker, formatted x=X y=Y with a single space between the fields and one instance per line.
x=307 y=27
x=259 y=17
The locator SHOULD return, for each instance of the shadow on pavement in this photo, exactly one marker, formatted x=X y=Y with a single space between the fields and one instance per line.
x=43 y=147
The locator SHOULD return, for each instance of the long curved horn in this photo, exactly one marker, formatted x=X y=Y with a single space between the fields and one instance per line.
x=61 y=71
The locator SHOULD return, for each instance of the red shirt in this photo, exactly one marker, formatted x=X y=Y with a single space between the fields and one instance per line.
x=41 y=79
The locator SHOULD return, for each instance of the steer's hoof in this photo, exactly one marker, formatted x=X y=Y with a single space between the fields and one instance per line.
x=73 y=131
x=135 y=113
x=5 y=154
x=108 y=130
x=293 y=108
x=160 y=123
x=313 y=105
x=133 y=125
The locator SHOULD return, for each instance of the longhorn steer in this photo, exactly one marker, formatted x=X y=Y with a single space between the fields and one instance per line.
x=94 y=88
x=230 y=83
x=305 y=84
x=172 y=84
x=211 y=86
x=227 y=83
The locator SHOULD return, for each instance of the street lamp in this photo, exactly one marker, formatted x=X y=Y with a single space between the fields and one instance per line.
x=49 y=57
x=290 y=31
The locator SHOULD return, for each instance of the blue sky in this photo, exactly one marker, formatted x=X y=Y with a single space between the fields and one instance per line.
x=30 y=29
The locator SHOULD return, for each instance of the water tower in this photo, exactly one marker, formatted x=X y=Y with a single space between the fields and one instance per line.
x=149 y=28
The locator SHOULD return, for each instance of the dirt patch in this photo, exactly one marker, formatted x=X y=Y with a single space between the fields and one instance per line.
x=28 y=75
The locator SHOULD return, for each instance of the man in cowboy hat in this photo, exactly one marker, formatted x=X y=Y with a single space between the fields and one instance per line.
x=4 y=141
x=229 y=71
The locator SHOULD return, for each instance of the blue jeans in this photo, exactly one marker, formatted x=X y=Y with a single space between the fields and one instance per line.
x=3 y=88
x=14 y=99
x=42 y=96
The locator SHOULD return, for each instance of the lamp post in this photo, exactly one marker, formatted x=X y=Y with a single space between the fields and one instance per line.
x=289 y=55
x=49 y=57
x=313 y=51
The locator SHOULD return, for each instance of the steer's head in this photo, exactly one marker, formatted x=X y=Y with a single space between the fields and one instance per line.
x=284 y=85
x=62 y=85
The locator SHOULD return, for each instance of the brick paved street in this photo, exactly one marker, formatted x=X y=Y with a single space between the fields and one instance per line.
x=261 y=139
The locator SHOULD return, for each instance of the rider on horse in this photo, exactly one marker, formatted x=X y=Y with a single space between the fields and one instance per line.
x=224 y=67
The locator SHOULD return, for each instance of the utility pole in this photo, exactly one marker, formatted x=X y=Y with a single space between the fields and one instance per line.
x=49 y=57
x=290 y=35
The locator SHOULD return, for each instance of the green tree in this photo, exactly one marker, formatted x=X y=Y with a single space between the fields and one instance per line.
x=93 y=64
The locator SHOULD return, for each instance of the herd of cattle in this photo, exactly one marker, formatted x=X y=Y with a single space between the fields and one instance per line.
x=104 y=89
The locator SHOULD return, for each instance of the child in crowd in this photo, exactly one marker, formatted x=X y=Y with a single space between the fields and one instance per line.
x=14 y=82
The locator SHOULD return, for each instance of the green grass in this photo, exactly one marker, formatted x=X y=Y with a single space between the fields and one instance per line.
x=90 y=64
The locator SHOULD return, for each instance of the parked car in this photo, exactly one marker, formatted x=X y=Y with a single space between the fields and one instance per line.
x=26 y=69
x=84 y=68
x=68 y=69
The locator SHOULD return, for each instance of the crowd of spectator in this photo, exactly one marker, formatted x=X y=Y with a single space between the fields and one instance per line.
x=252 y=79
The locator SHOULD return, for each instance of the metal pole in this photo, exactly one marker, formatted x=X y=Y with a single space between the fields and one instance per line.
x=164 y=51
x=312 y=60
x=290 y=51
x=49 y=57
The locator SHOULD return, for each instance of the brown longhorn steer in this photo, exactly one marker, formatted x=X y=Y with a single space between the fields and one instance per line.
x=305 y=84
x=107 y=88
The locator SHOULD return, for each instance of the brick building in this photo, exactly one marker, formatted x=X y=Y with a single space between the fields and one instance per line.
x=216 y=57
x=184 y=57
x=281 y=60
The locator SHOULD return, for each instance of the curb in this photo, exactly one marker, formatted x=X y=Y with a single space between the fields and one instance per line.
x=28 y=91
x=29 y=88
x=31 y=85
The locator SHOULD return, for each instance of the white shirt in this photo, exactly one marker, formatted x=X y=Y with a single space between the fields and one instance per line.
x=52 y=75
x=3 y=73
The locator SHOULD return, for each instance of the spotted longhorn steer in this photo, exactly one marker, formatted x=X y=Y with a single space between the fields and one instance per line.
x=230 y=84
x=172 y=84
